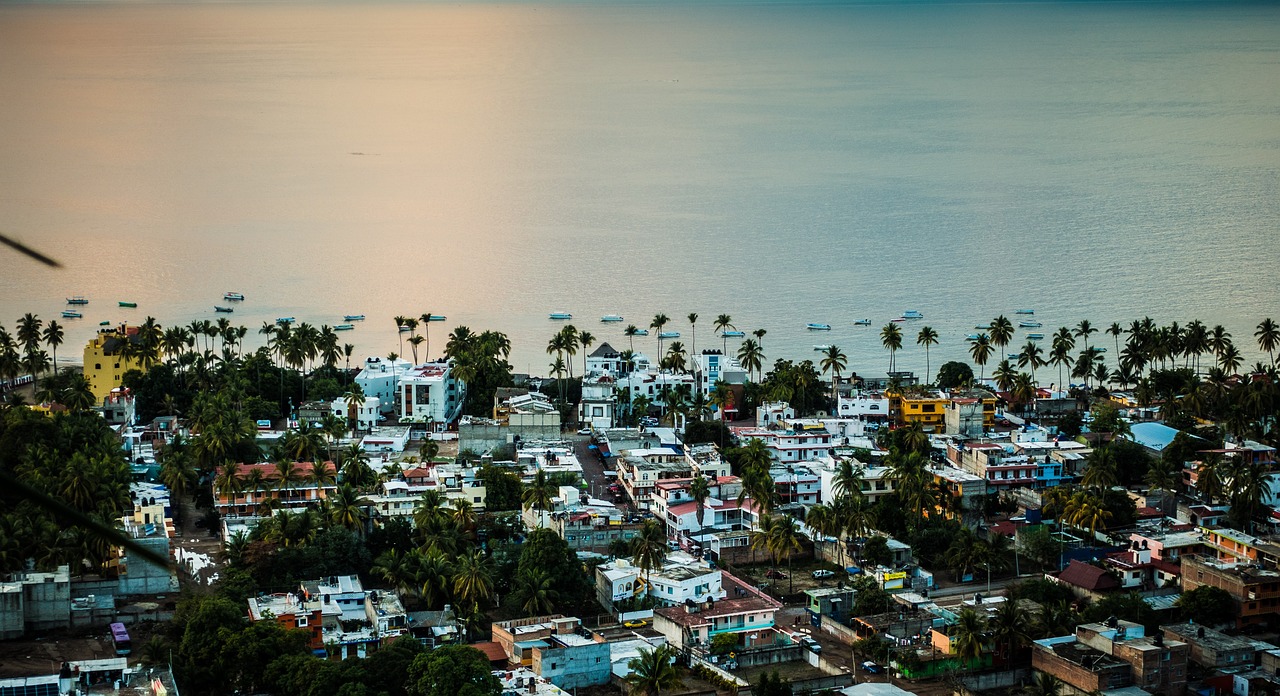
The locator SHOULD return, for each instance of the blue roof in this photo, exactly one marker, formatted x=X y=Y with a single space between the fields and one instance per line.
x=1153 y=436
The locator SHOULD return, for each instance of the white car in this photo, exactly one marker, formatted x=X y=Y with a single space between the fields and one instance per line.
x=820 y=574
x=585 y=431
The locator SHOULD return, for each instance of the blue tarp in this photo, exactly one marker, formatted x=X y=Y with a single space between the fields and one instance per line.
x=853 y=570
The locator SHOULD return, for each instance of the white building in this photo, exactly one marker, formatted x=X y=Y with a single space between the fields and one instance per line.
x=366 y=414
x=380 y=379
x=681 y=578
x=599 y=404
x=865 y=405
x=429 y=393
x=797 y=440
x=711 y=366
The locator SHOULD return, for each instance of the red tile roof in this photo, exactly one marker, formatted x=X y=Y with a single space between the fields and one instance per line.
x=492 y=650
x=1089 y=577
x=270 y=471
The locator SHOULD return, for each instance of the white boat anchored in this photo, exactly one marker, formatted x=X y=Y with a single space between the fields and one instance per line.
x=818 y=327
x=285 y=320
x=821 y=346
x=560 y=315
x=353 y=317
x=1030 y=324
x=669 y=334
x=611 y=318
x=642 y=332
x=1024 y=311
x=971 y=337
x=233 y=296
x=1034 y=336
x=912 y=314
x=734 y=334
x=70 y=314
x=344 y=327
x=862 y=322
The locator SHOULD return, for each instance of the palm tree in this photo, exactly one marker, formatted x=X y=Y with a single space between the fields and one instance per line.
x=676 y=358
x=927 y=337
x=723 y=323
x=1230 y=360
x=473 y=578
x=630 y=332
x=759 y=334
x=1086 y=511
x=1001 y=332
x=53 y=338
x=1083 y=330
x=540 y=495
x=355 y=401
x=1010 y=627
x=426 y=331
x=1115 y=330
x=891 y=338
x=968 y=634
x=78 y=395
x=1043 y=684
x=1004 y=375
x=401 y=321
x=538 y=590
x=980 y=351
x=659 y=320
x=649 y=547
x=347 y=508
x=784 y=538
x=1031 y=357
x=1268 y=335
x=751 y=356
x=700 y=490
x=586 y=340
x=693 y=332
x=653 y=672
x=834 y=361
x=1209 y=481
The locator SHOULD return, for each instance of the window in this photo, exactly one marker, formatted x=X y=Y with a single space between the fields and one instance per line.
x=475 y=499
x=302 y=622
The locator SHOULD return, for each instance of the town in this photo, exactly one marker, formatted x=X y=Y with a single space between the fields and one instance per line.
x=186 y=515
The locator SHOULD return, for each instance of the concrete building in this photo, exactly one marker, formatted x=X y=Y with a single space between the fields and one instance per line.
x=1255 y=590
x=1102 y=657
x=261 y=492
x=744 y=609
x=430 y=393
x=598 y=406
x=380 y=379
x=792 y=440
x=104 y=365
x=294 y=612
x=682 y=578
x=364 y=415
x=1211 y=649
x=556 y=648
x=1001 y=469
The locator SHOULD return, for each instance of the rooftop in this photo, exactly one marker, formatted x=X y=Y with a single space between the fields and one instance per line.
x=1202 y=635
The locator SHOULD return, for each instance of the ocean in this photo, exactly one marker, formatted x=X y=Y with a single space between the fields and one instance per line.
x=780 y=162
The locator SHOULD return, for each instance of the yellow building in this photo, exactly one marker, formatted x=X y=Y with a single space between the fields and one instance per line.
x=924 y=406
x=104 y=366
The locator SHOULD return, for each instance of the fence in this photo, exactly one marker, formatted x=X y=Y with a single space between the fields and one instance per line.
x=996 y=680
x=843 y=633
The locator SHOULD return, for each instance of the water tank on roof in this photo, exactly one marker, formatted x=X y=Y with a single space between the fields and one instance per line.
x=1033 y=516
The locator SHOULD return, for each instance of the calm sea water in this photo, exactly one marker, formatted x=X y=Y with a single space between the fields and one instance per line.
x=781 y=162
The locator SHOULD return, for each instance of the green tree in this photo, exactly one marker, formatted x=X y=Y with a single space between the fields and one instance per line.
x=452 y=670
x=954 y=374
x=891 y=338
x=968 y=635
x=1207 y=605
x=653 y=672
x=927 y=337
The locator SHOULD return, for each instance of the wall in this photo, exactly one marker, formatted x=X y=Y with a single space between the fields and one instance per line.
x=12 y=621
x=48 y=601
x=143 y=577
x=572 y=667
x=842 y=633
x=997 y=680
x=482 y=437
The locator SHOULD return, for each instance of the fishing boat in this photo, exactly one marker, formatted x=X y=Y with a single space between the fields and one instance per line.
x=642 y=332
x=344 y=327
x=560 y=315
x=104 y=323
x=77 y=300
x=897 y=320
x=818 y=327
x=971 y=337
x=71 y=314
x=285 y=320
x=862 y=322
x=406 y=329
x=912 y=314
x=1013 y=356
x=821 y=346
x=1035 y=336
x=353 y=317
x=1024 y=311
x=1030 y=324
x=610 y=318
x=1100 y=349
x=733 y=334
x=669 y=334
x=226 y=310
x=122 y=303
x=435 y=317
x=232 y=296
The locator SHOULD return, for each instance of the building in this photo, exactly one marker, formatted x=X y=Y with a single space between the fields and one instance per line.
x=598 y=406
x=261 y=491
x=35 y=602
x=1086 y=580
x=1138 y=570
x=1211 y=649
x=380 y=379
x=293 y=612
x=866 y=406
x=556 y=648
x=105 y=361
x=364 y=414
x=1114 y=655
x=744 y=609
x=681 y=578
x=430 y=393
x=792 y=440
x=1255 y=590
x=836 y=602
x=990 y=461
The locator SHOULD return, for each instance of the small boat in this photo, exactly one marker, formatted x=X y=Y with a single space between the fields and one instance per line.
x=77 y=300
x=1013 y=356
x=1100 y=349
x=669 y=334
x=285 y=320
x=69 y=314
x=897 y=320
x=122 y=303
x=642 y=332
x=862 y=322
x=353 y=317
x=983 y=327
x=971 y=337
x=1030 y=324
x=233 y=296
x=821 y=346
x=405 y=329
x=1035 y=336
x=609 y=318
x=912 y=314
x=1024 y=311
x=226 y=310
x=818 y=327
x=104 y=323
x=560 y=315
x=435 y=317
x=344 y=327
x=734 y=334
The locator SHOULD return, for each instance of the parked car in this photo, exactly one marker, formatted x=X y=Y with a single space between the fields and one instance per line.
x=776 y=574
x=585 y=431
x=813 y=645
x=820 y=574
x=872 y=668
x=637 y=623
